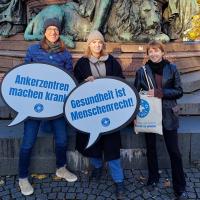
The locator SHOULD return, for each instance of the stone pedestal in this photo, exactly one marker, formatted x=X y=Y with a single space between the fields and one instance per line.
x=133 y=152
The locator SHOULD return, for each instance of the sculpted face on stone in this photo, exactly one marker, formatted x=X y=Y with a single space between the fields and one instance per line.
x=150 y=17
x=137 y=20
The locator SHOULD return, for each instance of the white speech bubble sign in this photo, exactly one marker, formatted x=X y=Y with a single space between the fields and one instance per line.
x=104 y=105
x=36 y=90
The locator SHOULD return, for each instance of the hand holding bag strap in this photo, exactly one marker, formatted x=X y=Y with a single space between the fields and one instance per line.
x=149 y=81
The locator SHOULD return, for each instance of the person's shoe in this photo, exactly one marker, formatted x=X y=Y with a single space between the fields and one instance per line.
x=62 y=172
x=96 y=173
x=182 y=196
x=153 y=180
x=120 y=190
x=25 y=186
x=152 y=183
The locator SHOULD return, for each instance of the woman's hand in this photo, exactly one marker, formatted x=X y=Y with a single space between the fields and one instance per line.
x=90 y=78
x=155 y=93
x=1 y=77
x=150 y=93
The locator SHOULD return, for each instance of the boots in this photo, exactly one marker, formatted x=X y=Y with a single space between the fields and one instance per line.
x=96 y=173
x=120 y=190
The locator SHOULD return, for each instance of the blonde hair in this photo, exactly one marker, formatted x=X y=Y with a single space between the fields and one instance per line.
x=88 y=52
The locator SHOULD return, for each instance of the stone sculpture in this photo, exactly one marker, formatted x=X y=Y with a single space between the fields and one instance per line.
x=119 y=20
x=12 y=17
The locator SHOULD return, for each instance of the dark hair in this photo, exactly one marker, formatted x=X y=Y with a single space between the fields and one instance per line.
x=46 y=47
x=155 y=45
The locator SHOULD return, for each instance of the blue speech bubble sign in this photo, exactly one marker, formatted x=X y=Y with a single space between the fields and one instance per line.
x=102 y=106
x=36 y=90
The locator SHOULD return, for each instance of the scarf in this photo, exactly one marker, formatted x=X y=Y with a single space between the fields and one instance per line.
x=53 y=47
x=95 y=60
x=97 y=65
x=157 y=68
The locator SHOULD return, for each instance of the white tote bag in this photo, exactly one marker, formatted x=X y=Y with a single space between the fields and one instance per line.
x=149 y=117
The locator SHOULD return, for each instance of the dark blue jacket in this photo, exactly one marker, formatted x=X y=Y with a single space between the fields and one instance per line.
x=63 y=59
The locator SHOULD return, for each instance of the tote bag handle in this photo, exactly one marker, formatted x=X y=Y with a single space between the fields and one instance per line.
x=149 y=81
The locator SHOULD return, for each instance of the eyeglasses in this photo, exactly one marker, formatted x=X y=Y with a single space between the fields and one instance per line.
x=52 y=30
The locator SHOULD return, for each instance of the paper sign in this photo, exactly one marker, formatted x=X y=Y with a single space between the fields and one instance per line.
x=101 y=106
x=36 y=90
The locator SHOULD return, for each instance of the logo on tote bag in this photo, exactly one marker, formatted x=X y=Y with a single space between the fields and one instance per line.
x=144 y=108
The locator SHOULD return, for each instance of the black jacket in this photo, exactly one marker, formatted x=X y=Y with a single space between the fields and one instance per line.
x=171 y=88
x=82 y=68
x=109 y=145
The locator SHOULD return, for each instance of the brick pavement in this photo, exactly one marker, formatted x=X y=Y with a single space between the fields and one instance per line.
x=49 y=187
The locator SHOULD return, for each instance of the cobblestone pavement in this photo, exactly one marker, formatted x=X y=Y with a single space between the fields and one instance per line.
x=49 y=187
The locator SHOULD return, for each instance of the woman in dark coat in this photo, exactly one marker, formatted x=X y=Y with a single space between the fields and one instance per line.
x=167 y=84
x=94 y=64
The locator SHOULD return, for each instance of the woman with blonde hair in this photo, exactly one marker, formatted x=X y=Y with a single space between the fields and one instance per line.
x=166 y=86
x=96 y=63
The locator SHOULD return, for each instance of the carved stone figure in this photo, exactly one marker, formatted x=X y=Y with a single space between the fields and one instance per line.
x=120 y=20
x=12 y=19
x=73 y=25
x=75 y=18
x=194 y=32
x=96 y=10
x=178 y=16
x=140 y=23
x=135 y=20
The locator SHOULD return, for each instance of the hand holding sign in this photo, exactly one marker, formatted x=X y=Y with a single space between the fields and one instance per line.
x=102 y=106
x=36 y=90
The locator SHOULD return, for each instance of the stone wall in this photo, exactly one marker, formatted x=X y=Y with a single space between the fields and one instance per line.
x=133 y=152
